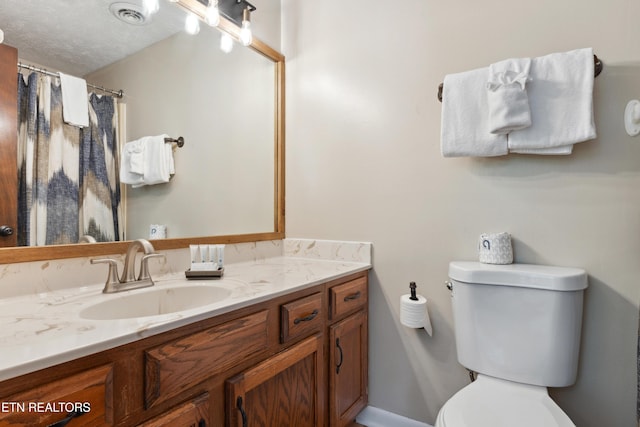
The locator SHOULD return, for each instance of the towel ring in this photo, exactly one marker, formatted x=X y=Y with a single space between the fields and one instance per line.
x=597 y=69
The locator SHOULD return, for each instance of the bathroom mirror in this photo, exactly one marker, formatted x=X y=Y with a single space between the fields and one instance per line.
x=270 y=64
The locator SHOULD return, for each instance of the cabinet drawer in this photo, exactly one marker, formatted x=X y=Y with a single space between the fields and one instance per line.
x=301 y=317
x=89 y=391
x=348 y=296
x=178 y=365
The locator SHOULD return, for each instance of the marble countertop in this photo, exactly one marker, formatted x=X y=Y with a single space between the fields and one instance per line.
x=41 y=330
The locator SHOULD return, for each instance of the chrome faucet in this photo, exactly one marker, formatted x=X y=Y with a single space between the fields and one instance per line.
x=129 y=280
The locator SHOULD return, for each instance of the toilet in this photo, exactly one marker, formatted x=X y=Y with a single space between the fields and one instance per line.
x=517 y=327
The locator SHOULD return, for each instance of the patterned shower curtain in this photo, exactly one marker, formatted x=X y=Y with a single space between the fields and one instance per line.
x=67 y=176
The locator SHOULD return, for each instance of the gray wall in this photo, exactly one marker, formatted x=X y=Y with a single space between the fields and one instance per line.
x=363 y=163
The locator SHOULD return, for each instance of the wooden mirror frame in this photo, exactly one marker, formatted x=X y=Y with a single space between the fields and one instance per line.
x=39 y=253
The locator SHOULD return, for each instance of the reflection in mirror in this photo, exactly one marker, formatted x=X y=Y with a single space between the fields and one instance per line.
x=222 y=104
x=228 y=179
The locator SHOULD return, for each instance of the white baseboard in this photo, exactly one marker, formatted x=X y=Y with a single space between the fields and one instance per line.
x=375 y=417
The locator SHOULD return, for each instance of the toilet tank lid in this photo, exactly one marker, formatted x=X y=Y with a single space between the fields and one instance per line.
x=521 y=275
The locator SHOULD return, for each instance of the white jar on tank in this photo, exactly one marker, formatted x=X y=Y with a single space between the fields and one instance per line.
x=518 y=326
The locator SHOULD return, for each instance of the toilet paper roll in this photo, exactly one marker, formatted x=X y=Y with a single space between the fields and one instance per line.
x=495 y=248
x=414 y=314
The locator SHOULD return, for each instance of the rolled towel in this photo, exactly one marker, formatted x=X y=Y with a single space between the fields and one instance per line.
x=561 y=101
x=464 y=117
x=507 y=96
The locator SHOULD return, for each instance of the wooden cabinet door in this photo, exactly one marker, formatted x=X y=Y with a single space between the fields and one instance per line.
x=191 y=414
x=285 y=390
x=348 y=368
x=8 y=145
x=84 y=399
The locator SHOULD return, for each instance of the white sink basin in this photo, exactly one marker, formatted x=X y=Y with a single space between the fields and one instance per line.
x=154 y=302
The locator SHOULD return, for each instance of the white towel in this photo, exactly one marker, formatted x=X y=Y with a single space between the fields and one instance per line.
x=132 y=162
x=507 y=95
x=75 y=104
x=147 y=161
x=561 y=150
x=464 y=128
x=561 y=101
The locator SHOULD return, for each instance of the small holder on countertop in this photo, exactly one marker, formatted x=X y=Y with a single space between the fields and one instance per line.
x=204 y=274
x=207 y=262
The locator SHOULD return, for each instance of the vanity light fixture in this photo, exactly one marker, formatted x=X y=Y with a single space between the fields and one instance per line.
x=212 y=15
x=245 y=31
x=192 y=24
x=151 y=6
x=226 y=43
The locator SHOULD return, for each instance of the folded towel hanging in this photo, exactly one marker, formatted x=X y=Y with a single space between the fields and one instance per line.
x=147 y=161
x=507 y=97
x=561 y=101
x=598 y=65
x=75 y=105
x=464 y=119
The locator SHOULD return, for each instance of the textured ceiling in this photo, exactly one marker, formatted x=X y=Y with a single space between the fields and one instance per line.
x=80 y=36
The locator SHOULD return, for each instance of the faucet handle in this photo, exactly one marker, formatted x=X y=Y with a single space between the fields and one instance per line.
x=144 y=265
x=112 y=279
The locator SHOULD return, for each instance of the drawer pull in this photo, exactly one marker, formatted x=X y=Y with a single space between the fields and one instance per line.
x=307 y=318
x=341 y=356
x=71 y=415
x=202 y=423
x=352 y=296
x=242 y=412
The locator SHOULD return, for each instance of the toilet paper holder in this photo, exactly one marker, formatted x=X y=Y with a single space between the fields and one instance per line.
x=413 y=311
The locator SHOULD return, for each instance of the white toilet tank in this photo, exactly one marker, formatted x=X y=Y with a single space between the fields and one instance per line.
x=518 y=322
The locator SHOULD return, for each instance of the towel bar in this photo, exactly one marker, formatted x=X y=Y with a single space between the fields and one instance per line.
x=598 y=65
x=179 y=141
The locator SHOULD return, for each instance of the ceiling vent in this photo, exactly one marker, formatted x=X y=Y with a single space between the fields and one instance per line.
x=130 y=13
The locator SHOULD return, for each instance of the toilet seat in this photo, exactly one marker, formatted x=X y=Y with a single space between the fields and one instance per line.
x=493 y=402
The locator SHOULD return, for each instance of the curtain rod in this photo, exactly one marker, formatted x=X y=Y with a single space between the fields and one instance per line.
x=117 y=93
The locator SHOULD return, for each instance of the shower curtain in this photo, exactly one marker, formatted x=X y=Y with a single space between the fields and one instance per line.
x=68 y=177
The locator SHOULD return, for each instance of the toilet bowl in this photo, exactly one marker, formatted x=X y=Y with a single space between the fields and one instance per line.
x=518 y=327
x=492 y=402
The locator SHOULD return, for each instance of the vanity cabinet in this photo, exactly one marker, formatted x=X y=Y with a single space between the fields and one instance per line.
x=348 y=351
x=298 y=360
x=285 y=390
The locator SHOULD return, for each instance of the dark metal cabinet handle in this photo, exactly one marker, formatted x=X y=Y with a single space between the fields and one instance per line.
x=306 y=319
x=352 y=296
x=242 y=412
x=63 y=422
x=5 y=230
x=202 y=423
x=341 y=356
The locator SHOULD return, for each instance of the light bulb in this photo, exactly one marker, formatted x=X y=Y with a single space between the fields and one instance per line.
x=226 y=43
x=245 y=32
x=151 y=6
x=1 y=36
x=192 y=24
x=212 y=15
